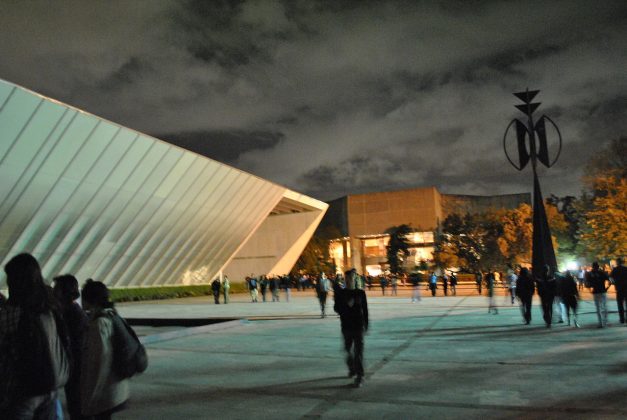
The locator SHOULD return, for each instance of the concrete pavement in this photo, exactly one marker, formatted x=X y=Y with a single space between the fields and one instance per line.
x=444 y=357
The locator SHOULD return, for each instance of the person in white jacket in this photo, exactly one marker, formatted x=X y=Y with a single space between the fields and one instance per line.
x=103 y=392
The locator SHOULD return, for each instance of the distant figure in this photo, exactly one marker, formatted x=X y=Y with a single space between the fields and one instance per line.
x=352 y=306
x=568 y=293
x=287 y=286
x=619 y=279
x=453 y=284
x=510 y=278
x=263 y=285
x=226 y=288
x=28 y=319
x=597 y=280
x=323 y=289
x=274 y=288
x=252 y=288
x=490 y=284
x=394 y=283
x=103 y=393
x=416 y=278
x=433 y=283
x=524 y=292
x=383 y=282
x=478 y=281
x=546 y=290
x=66 y=291
x=445 y=283
x=215 y=289
x=581 y=278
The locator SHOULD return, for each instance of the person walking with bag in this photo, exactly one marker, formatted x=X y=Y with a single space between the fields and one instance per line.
x=103 y=391
x=34 y=347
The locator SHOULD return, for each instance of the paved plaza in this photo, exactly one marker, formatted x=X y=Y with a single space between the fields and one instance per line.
x=444 y=357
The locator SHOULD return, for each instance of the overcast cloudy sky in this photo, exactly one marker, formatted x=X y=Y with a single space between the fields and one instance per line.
x=336 y=97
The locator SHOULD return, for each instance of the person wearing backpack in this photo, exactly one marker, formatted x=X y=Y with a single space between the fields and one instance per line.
x=34 y=347
x=103 y=391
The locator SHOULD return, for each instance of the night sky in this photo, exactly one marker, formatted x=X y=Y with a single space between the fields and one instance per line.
x=336 y=97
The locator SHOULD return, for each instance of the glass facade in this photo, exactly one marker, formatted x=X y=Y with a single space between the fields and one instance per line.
x=95 y=199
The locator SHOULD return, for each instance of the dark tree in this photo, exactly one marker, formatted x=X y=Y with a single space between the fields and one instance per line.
x=398 y=247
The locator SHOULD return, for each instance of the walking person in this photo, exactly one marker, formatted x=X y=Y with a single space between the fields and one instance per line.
x=433 y=283
x=383 y=282
x=215 y=289
x=226 y=288
x=569 y=295
x=352 y=307
x=394 y=283
x=323 y=289
x=263 y=285
x=416 y=278
x=511 y=278
x=546 y=290
x=525 y=288
x=103 y=392
x=287 y=285
x=619 y=280
x=445 y=283
x=453 y=284
x=274 y=288
x=597 y=280
x=490 y=285
x=66 y=292
x=252 y=288
x=479 y=281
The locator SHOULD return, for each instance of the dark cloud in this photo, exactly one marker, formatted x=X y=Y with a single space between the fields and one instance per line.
x=332 y=97
x=223 y=146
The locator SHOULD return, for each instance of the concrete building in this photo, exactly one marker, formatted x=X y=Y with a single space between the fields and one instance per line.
x=358 y=222
x=89 y=197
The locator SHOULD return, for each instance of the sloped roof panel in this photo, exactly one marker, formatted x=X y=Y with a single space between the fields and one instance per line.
x=93 y=198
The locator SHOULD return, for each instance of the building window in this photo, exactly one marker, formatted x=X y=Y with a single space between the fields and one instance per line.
x=375 y=247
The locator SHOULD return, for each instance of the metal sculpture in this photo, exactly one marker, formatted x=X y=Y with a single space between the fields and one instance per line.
x=535 y=149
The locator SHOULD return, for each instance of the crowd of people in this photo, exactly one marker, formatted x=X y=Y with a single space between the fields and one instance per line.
x=48 y=341
x=559 y=291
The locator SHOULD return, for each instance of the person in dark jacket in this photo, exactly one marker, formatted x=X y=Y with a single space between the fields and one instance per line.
x=619 y=280
x=598 y=281
x=66 y=291
x=352 y=306
x=215 y=289
x=29 y=393
x=524 y=292
x=546 y=290
x=569 y=295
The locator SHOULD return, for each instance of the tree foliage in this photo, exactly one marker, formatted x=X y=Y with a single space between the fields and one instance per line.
x=470 y=242
x=315 y=258
x=398 y=247
x=492 y=239
x=604 y=233
x=603 y=210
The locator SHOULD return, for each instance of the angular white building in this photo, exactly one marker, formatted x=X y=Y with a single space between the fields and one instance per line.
x=89 y=197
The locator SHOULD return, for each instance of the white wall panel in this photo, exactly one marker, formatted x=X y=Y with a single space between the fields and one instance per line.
x=89 y=197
